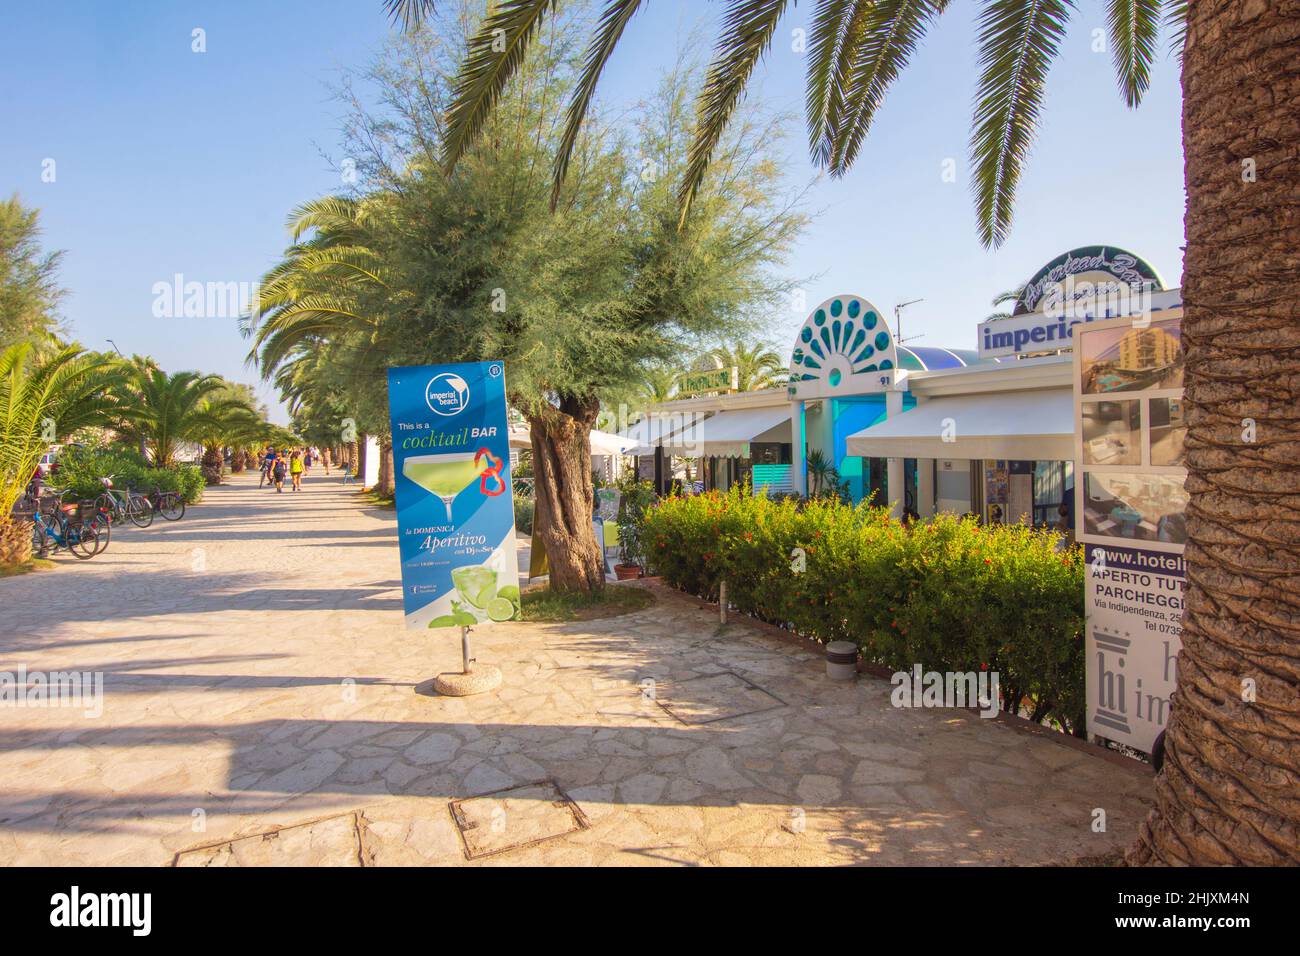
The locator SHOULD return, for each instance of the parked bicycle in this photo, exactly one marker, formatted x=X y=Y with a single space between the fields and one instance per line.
x=169 y=504
x=65 y=527
x=130 y=504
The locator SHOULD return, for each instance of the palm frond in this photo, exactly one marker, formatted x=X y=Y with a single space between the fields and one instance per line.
x=1134 y=27
x=888 y=35
x=1176 y=20
x=831 y=51
x=747 y=29
x=494 y=54
x=609 y=31
x=411 y=13
x=1018 y=41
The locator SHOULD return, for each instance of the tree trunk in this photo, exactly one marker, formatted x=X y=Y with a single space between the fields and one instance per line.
x=561 y=444
x=212 y=464
x=15 y=541
x=1229 y=792
x=386 y=481
x=359 y=460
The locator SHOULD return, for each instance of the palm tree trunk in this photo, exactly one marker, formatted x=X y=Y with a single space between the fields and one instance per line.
x=1229 y=792
x=212 y=464
x=15 y=541
x=561 y=444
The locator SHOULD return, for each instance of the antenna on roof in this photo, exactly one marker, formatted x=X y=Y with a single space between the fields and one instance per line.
x=898 y=321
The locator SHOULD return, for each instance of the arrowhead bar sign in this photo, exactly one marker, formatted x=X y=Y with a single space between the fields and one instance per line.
x=455 y=511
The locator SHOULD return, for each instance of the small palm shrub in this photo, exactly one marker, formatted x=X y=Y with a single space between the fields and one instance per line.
x=947 y=593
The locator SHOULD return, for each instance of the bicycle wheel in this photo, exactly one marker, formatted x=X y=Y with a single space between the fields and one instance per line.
x=103 y=530
x=83 y=542
x=106 y=505
x=172 y=507
x=40 y=540
x=140 y=512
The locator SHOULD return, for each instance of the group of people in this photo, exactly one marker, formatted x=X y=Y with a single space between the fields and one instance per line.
x=275 y=466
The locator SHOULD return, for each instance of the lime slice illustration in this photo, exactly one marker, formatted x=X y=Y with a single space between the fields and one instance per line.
x=500 y=609
x=486 y=595
x=510 y=592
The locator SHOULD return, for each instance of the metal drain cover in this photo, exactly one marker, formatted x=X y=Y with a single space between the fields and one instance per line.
x=714 y=697
x=329 y=841
x=516 y=817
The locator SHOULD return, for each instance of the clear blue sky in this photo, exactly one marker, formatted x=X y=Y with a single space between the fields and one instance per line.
x=171 y=162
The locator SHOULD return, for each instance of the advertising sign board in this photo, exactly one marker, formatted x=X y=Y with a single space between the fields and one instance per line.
x=455 y=512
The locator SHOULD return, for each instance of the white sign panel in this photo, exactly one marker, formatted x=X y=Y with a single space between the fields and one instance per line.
x=1134 y=607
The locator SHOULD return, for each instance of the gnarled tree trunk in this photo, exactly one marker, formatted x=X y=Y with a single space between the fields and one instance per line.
x=1229 y=792
x=561 y=442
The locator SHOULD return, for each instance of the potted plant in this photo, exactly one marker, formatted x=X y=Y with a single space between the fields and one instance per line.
x=635 y=498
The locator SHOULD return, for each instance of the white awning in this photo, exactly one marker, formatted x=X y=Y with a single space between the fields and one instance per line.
x=729 y=434
x=602 y=443
x=1030 y=425
x=655 y=429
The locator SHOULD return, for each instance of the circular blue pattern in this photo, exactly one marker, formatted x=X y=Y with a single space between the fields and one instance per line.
x=869 y=320
x=820 y=318
x=836 y=308
x=806 y=334
x=882 y=340
x=834 y=377
x=854 y=308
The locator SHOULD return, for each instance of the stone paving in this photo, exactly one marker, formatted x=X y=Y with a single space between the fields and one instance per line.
x=262 y=705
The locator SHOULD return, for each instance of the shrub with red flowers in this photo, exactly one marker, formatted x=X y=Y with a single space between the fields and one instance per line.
x=946 y=593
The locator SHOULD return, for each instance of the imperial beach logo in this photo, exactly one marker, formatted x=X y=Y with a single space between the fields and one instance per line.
x=447 y=394
x=79 y=690
x=946 y=689
x=75 y=908
x=192 y=299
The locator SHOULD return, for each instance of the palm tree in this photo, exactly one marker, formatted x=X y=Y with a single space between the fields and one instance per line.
x=1227 y=791
x=158 y=411
x=1001 y=299
x=757 y=364
x=41 y=402
x=330 y=295
x=657 y=385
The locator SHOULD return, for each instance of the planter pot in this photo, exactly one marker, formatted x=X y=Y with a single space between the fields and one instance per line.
x=626 y=572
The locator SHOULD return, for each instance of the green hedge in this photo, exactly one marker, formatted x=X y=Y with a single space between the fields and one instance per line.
x=947 y=594
x=81 y=468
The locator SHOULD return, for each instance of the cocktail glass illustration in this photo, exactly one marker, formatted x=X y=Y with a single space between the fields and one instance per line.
x=477 y=585
x=445 y=475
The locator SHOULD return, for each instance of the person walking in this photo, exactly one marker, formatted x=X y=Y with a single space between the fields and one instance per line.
x=296 y=465
x=277 y=473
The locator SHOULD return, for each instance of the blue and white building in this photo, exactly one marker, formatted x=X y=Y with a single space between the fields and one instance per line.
x=987 y=430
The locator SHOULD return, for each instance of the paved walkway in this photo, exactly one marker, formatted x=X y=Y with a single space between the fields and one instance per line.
x=261 y=706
